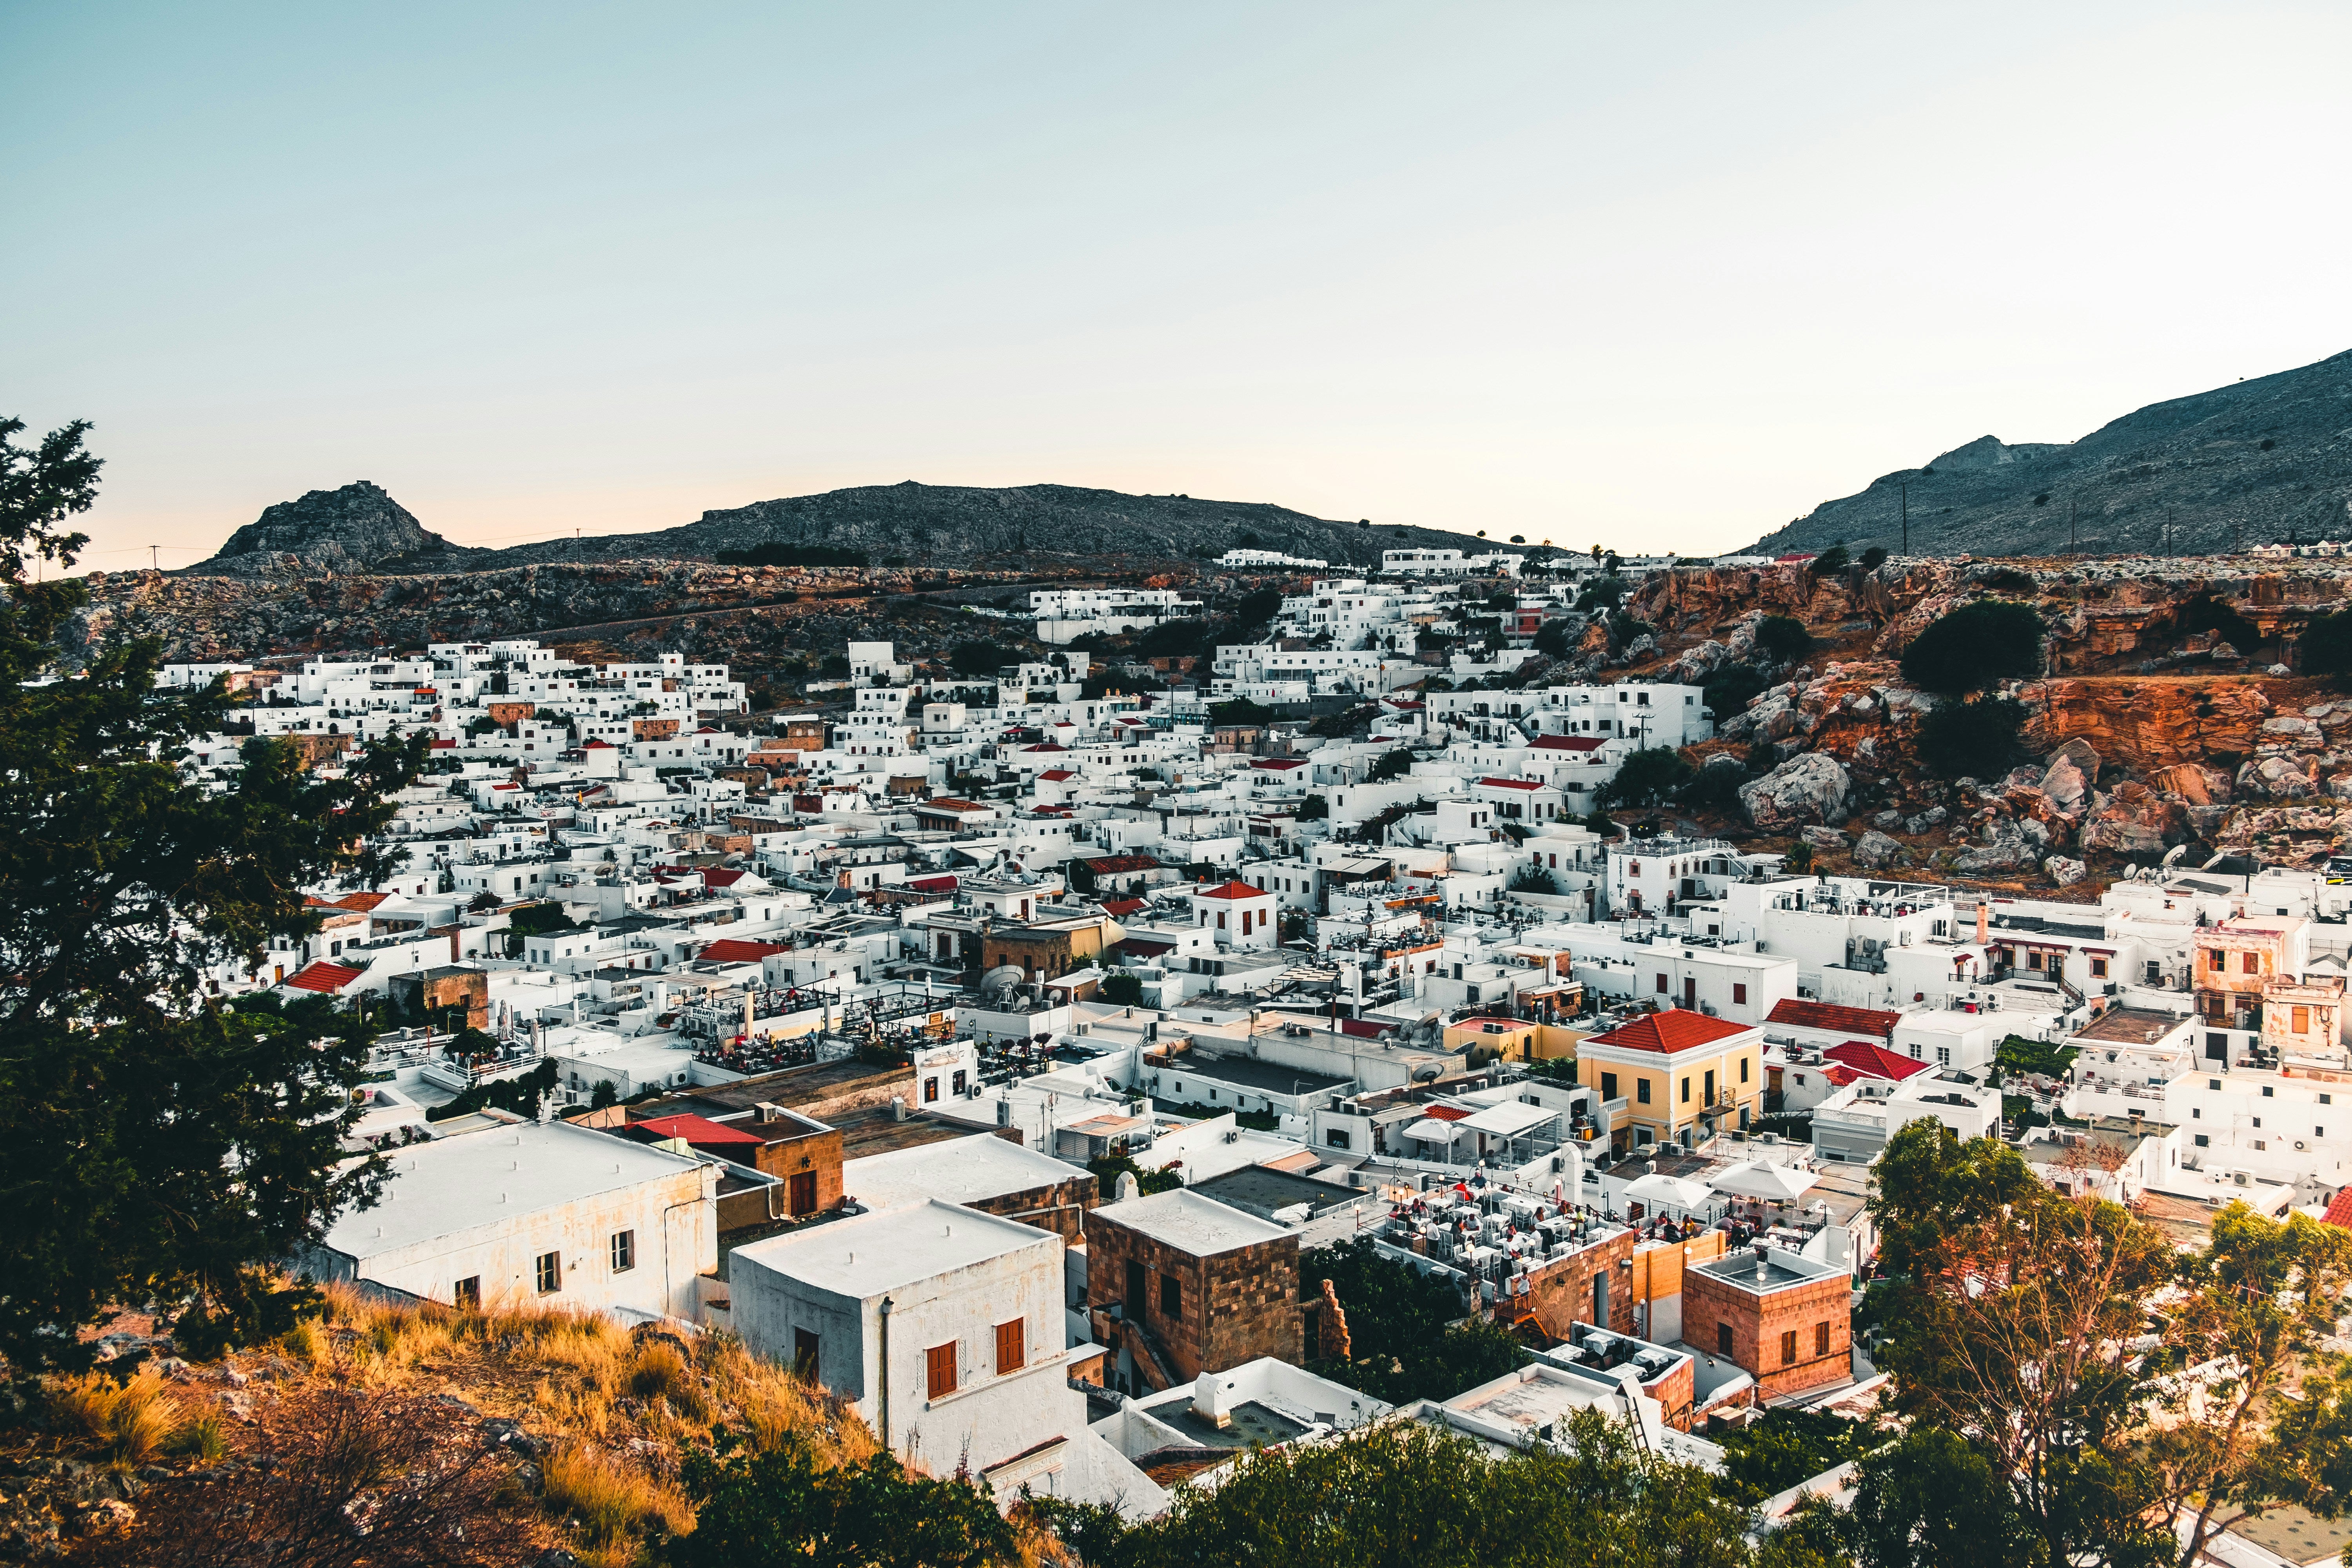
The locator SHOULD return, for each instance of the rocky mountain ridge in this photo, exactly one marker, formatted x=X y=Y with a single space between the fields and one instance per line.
x=361 y=528
x=2255 y=462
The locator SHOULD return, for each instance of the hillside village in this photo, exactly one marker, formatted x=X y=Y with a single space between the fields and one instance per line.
x=993 y=1049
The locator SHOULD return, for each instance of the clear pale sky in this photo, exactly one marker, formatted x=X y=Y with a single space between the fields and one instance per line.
x=1657 y=276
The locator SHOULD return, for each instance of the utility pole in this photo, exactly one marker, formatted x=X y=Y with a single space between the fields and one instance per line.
x=154 y=558
x=2071 y=540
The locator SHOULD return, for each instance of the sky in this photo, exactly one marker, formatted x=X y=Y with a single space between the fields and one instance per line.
x=1650 y=276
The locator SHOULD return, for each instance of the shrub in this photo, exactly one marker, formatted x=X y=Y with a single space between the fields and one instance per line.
x=130 y=1421
x=1714 y=788
x=1874 y=558
x=1552 y=638
x=1649 y=777
x=1258 y=606
x=1833 y=559
x=1732 y=690
x=1533 y=879
x=1240 y=710
x=1974 y=646
x=756 y=1507
x=980 y=660
x=1121 y=989
x=1314 y=808
x=1601 y=593
x=1982 y=739
x=1783 y=639
x=1394 y=764
x=608 y=1502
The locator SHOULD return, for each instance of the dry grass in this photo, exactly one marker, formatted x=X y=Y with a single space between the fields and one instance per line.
x=608 y=1502
x=618 y=1408
x=129 y=1422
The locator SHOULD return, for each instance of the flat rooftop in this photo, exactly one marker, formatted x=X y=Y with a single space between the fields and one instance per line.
x=491 y=1176
x=1261 y=1190
x=1247 y=1073
x=969 y=1169
x=1780 y=1268
x=1190 y=1223
x=2129 y=1027
x=865 y=1256
x=807 y=1084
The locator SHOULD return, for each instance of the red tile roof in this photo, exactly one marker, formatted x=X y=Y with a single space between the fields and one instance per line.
x=1055 y=776
x=696 y=1129
x=1565 y=744
x=2339 y=1209
x=1827 y=1016
x=1119 y=863
x=1234 y=890
x=948 y=802
x=1280 y=765
x=1124 y=906
x=1677 y=1030
x=1875 y=1060
x=360 y=903
x=1513 y=784
x=325 y=976
x=734 y=950
x=932 y=884
x=713 y=877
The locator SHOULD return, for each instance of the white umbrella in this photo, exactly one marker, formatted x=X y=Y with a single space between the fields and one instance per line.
x=1757 y=1179
x=1669 y=1192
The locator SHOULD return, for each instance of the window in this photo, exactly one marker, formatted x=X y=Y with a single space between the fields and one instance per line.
x=2326 y=1100
x=956 y=1085
x=804 y=1348
x=1723 y=1339
x=1609 y=1086
x=1685 y=1091
x=1012 y=1346
x=930 y=1090
x=1789 y=1347
x=1336 y=1137
x=624 y=1251
x=1661 y=984
x=2258 y=1121
x=2098 y=969
x=1221 y=920
x=1943 y=1055
x=2250 y=963
x=2262 y=1144
x=2266 y=1094
x=468 y=1294
x=549 y=1272
x=1642 y=1090
x=1743 y=1069
x=2203 y=1142
x=2195 y=1113
x=1171 y=1295
x=2034 y=960
x=939 y=1369
x=2213 y=959
x=1739 y=992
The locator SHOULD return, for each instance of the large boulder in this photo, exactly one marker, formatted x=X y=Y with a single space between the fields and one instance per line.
x=2065 y=871
x=2002 y=847
x=2273 y=778
x=2066 y=784
x=1825 y=840
x=1807 y=788
x=1875 y=851
x=2193 y=783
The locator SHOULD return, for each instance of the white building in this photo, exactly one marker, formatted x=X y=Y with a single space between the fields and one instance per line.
x=535 y=1213
x=945 y=1328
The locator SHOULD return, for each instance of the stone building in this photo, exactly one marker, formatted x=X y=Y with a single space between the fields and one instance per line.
x=1179 y=1284
x=443 y=994
x=1783 y=1319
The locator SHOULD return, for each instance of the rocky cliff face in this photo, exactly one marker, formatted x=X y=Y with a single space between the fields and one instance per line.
x=2260 y=459
x=346 y=529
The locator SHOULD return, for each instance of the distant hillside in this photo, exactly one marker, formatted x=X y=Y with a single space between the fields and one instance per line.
x=346 y=529
x=945 y=526
x=2258 y=460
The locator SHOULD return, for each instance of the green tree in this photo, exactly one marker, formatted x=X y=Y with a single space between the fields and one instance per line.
x=1833 y=560
x=1601 y=593
x=770 y=1507
x=1731 y=688
x=1240 y=711
x=1121 y=989
x=980 y=660
x=1649 y=777
x=1552 y=638
x=1411 y=1492
x=1257 y=608
x=1314 y=808
x=1982 y=739
x=1932 y=1501
x=1401 y=1346
x=1874 y=558
x=1783 y=639
x=1392 y=765
x=1975 y=646
x=153 y=1144
x=1768 y=1456
x=1533 y=879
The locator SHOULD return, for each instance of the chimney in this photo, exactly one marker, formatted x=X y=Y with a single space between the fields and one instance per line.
x=1981 y=923
x=1208 y=1394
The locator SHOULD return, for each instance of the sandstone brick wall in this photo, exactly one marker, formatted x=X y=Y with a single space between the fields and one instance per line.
x=1560 y=1293
x=1237 y=1306
x=1758 y=1323
x=1058 y=1206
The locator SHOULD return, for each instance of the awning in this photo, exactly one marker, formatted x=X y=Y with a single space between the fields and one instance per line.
x=1509 y=1119
x=1759 y=1178
x=1669 y=1192
x=1433 y=1130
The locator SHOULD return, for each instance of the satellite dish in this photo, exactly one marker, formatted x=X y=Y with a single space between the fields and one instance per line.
x=1003 y=977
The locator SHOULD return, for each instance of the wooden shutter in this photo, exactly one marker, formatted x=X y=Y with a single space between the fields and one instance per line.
x=1012 y=1346
x=940 y=1363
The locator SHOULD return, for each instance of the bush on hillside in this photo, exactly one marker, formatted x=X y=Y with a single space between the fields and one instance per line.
x=1783 y=639
x=1982 y=740
x=1975 y=646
